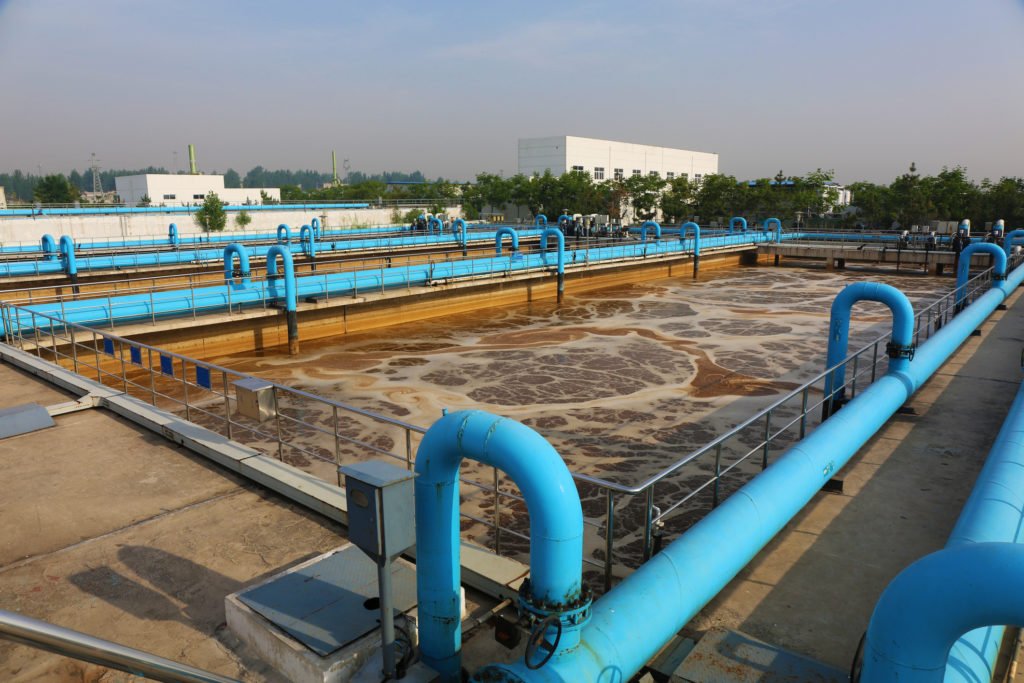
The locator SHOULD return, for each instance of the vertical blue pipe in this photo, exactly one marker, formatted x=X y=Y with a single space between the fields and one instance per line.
x=540 y=221
x=933 y=602
x=284 y=234
x=561 y=254
x=900 y=349
x=737 y=220
x=1009 y=238
x=230 y=252
x=964 y=268
x=308 y=241
x=172 y=234
x=556 y=528
x=568 y=219
x=502 y=232
x=315 y=224
x=291 y=305
x=67 y=252
x=459 y=227
x=435 y=221
x=643 y=230
x=49 y=247
x=696 y=243
x=778 y=228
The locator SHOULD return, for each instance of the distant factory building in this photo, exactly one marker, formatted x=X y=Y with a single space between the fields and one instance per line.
x=168 y=189
x=610 y=160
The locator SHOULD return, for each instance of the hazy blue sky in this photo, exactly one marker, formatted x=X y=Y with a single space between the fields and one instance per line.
x=861 y=86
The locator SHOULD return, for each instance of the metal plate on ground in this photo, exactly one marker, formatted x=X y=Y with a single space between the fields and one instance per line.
x=28 y=417
x=323 y=606
x=731 y=657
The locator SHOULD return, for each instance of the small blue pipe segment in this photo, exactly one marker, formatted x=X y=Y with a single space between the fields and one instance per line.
x=501 y=232
x=556 y=527
x=540 y=221
x=561 y=254
x=459 y=228
x=290 y=287
x=67 y=252
x=284 y=234
x=737 y=220
x=308 y=241
x=965 y=225
x=49 y=247
x=1009 y=238
x=652 y=224
x=435 y=221
x=696 y=236
x=567 y=217
x=839 y=332
x=315 y=224
x=963 y=271
x=934 y=601
x=172 y=234
x=230 y=252
x=778 y=228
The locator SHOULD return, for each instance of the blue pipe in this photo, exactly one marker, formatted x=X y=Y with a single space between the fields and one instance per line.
x=230 y=252
x=556 y=529
x=627 y=628
x=1009 y=238
x=172 y=234
x=737 y=220
x=315 y=224
x=561 y=254
x=502 y=232
x=696 y=236
x=964 y=268
x=284 y=234
x=933 y=602
x=435 y=221
x=778 y=228
x=643 y=230
x=67 y=252
x=900 y=350
x=290 y=298
x=308 y=240
x=459 y=227
x=49 y=247
x=540 y=221
x=567 y=217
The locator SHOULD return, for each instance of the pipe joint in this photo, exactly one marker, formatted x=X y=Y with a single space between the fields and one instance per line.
x=574 y=612
x=896 y=351
x=998 y=277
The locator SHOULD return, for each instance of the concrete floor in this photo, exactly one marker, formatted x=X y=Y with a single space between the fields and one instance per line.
x=112 y=530
x=812 y=590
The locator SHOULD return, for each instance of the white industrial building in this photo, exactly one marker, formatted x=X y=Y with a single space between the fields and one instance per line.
x=610 y=160
x=166 y=189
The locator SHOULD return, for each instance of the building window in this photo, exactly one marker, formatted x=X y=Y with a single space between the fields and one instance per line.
x=654 y=174
x=599 y=173
x=637 y=173
x=199 y=196
x=170 y=196
x=696 y=178
x=577 y=169
x=619 y=174
x=670 y=175
x=684 y=176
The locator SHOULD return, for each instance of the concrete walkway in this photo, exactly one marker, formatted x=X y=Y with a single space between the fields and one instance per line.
x=812 y=590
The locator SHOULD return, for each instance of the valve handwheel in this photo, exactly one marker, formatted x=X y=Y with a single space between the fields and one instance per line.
x=538 y=642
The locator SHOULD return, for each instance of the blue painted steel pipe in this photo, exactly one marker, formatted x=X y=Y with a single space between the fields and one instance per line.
x=900 y=350
x=315 y=224
x=540 y=221
x=290 y=298
x=459 y=228
x=230 y=252
x=558 y=235
x=433 y=222
x=67 y=253
x=651 y=224
x=933 y=602
x=1009 y=238
x=627 y=627
x=737 y=220
x=778 y=228
x=284 y=234
x=308 y=240
x=172 y=234
x=567 y=218
x=49 y=247
x=501 y=232
x=556 y=528
x=964 y=267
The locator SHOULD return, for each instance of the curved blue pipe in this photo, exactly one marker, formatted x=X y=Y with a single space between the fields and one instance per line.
x=839 y=330
x=284 y=234
x=315 y=224
x=435 y=221
x=696 y=236
x=499 y=233
x=737 y=220
x=964 y=267
x=459 y=228
x=567 y=217
x=561 y=254
x=289 y=274
x=1009 y=238
x=308 y=240
x=230 y=252
x=643 y=230
x=556 y=526
x=778 y=228
x=934 y=601
x=540 y=221
x=172 y=234
x=49 y=247
x=67 y=252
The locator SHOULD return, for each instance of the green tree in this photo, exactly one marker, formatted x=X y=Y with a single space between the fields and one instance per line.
x=266 y=198
x=211 y=216
x=644 y=194
x=717 y=197
x=232 y=179
x=145 y=200
x=910 y=201
x=678 y=200
x=243 y=219
x=55 y=189
x=871 y=203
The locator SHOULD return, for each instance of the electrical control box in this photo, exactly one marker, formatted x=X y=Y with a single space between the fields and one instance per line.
x=381 y=508
x=255 y=398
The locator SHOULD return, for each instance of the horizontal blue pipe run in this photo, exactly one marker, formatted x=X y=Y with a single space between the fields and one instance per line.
x=627 y=627
x=94 y=211
x=214 y=298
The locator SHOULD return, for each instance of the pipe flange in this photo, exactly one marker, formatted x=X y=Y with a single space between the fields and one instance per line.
x=574 y=612
x=997 y=277
x=897 y=351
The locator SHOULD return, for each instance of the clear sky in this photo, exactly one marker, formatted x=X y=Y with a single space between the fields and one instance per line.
x=860 y=86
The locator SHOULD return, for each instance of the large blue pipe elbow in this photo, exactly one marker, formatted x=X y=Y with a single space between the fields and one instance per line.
x=778 y=227
x=289 y=274
x=49 y=247
x=230 y=253
x=566 y=217
x=284 y=234
x=737 y=220
x=934 y=601
x=964 y=268
x=696 y=236
x=1009 y=238
x=459 y=227
x=556 y=526
x=501 y=232
x=67 y=252
x=650 y=224
x=839 y=330
x=557 y=234
x=172 y=234
x=315 y=224
x=308 y=241
x=540 y=221
x=435 y=222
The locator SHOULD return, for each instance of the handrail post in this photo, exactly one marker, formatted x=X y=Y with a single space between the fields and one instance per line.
x=184 y=384
x=803 y=412
x=718 y=474
x=609 y=538
x=227 y=403
x=767 y=439
x=152 y=377
x=277 y=416
x=497 y=514
x=96 y=350
x=337 y=445
x=648 y=523
x=853 y=382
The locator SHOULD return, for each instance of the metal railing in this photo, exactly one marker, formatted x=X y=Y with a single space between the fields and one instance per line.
x=628 y=521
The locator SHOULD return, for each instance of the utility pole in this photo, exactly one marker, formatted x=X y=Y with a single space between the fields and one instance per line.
x=97 y=184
